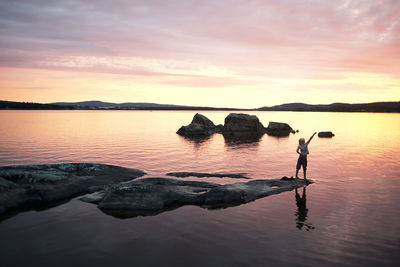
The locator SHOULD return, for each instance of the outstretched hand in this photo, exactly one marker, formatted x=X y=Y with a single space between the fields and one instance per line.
x=309 y=140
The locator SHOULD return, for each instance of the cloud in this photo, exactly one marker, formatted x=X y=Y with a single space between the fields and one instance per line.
x=204 y=43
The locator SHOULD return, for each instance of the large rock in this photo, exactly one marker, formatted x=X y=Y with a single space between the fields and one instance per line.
x=325 y=134
x=242 y=125
x=278 y=129
x=154 y=195
x=200 y=126
x=38 y=185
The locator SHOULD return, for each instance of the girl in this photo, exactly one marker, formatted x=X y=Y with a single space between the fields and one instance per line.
x=302 y=150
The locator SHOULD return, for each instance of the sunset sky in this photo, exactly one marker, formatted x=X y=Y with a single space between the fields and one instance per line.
x=231 y=53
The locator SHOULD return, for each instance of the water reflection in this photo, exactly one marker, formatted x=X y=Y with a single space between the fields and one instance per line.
x=32 y=207
x=198 y=142
x=196 y=139
x=240 y=140
x=302 y=211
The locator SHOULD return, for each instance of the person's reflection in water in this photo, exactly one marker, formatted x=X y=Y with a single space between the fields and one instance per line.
x=302 y=212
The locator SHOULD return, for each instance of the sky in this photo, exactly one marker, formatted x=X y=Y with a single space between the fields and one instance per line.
x=231 y=53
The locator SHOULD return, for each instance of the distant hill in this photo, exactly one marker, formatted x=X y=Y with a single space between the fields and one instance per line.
x=392 y=107
x=134 y=105
x=108 y=105
x=30 y=105
x=101 y=105
x=338 y=107
x=86 y=104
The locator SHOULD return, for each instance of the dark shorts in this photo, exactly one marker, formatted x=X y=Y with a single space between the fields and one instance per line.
x=302 y=161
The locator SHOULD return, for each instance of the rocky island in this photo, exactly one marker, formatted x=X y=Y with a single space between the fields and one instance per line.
x=116 y=190
x=236 y=126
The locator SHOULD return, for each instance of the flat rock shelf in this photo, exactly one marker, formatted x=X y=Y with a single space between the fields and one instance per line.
x=115 y=192
x=31 y=186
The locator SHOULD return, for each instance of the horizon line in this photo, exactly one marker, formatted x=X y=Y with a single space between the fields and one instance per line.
x=200 y=106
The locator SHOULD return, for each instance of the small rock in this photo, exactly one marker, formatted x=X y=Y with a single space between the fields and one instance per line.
x=325 y=134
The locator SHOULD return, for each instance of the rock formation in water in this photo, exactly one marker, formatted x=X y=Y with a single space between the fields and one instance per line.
x=237 y=127
x=325 y=134
x=153 y=195
x=37 y=185
x=242 y=125
x=279 y=129
x=199 y=127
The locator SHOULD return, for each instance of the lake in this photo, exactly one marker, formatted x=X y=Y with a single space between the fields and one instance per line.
x=352 y=215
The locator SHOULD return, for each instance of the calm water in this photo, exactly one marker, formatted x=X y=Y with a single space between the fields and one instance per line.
x=353 y=209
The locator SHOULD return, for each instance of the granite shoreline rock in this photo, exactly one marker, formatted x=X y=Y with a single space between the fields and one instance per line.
x=116 y=189
x=38 y=185
x=154 y=195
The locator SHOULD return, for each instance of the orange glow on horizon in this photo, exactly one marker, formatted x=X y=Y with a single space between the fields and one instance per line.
x=46 y=86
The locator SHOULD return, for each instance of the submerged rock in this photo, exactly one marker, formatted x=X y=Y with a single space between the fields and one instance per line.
x=279 y=129
x=37 y=185
x=200 y=126
x=203 y=174
x=325 y=134
x=242 y=125
x=154 y=195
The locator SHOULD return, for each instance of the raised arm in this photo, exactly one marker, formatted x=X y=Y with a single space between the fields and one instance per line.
x=309 y=140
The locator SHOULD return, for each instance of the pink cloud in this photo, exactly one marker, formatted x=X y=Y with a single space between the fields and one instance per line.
x=275 y=38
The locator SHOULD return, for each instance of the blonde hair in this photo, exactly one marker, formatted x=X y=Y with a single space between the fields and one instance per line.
x=302 y=141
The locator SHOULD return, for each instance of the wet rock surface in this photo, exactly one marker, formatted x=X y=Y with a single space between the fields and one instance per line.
x=37 y=185
x=203 y=174
x=151 y=196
